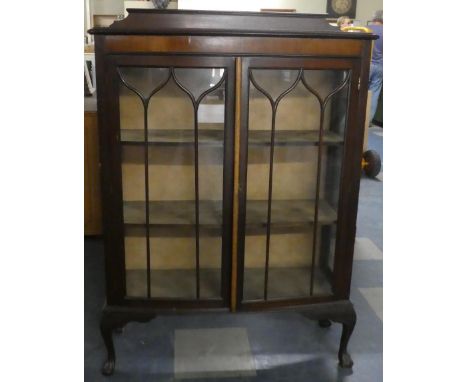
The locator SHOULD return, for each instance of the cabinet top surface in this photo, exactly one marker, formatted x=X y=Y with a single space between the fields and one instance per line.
x=220 y=23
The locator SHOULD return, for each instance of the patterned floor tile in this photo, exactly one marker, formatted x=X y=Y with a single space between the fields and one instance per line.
x=365 y=249
x=212 y=353
x=374 y=297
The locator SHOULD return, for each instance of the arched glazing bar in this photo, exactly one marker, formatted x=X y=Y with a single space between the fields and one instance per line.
x=274 y=107
x=145 y=101
x=323 y=103
x=195 y=103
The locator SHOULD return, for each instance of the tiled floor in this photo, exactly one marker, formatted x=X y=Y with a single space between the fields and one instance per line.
x=374 y=299
x=244 y=346
x=214 y=352
x=365 y=249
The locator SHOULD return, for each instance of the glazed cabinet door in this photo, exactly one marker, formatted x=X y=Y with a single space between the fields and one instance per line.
x=172 y=129
x=294 y=133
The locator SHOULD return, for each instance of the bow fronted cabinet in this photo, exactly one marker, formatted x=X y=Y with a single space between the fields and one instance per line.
x=231 y=148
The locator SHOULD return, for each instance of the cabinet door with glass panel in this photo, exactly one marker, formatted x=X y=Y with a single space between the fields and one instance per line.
x=294 y=132
x=175 y=134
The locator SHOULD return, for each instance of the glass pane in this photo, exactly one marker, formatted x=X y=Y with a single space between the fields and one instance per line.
x=257 y=192
x=210 y=155
x=133 y=191
x=324 y=82
x=283 y=219
x=274 y=82
x=144 y=80
x=173 y=182
x=197 y=81
x=331 y=163
x=131 y=115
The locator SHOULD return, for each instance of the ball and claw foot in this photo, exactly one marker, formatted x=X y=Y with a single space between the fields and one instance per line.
x=324 y=323
x=346 y=361
x=108 y=367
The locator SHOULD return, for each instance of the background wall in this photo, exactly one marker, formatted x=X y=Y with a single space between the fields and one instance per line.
x=310 y=6
x=364 y=9
x=107 y=7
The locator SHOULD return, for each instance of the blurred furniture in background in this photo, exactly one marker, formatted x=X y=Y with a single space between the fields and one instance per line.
x=378 y=117
x=89 y=70
x=92 y=184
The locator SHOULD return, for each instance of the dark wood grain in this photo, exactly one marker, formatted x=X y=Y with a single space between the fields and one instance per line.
x=350 y=176
x=108 y=116
x=237 y=191
x=219 y=23
x=234 y=45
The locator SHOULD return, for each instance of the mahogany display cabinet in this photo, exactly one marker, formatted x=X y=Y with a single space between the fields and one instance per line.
x=230 y=147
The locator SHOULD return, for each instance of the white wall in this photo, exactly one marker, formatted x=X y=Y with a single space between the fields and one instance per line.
x=364 y=8
x=107 y=7
x=116 y=7
x=303 y=6
x=85 y=17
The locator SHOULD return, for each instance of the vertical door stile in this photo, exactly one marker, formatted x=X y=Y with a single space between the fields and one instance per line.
x=235 y=199
x=197 y=204
x=270 y=194
x=147 y=222
x=317 y=197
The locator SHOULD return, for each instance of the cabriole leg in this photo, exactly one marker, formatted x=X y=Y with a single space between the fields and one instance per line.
x=343 y=355
x=341 y=312
x=113 y=320
x=106 y=332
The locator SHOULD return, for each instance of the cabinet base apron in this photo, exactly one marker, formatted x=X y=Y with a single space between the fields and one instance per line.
x=114 y=318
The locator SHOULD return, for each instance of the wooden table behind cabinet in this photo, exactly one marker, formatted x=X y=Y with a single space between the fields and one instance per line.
x=92 y=181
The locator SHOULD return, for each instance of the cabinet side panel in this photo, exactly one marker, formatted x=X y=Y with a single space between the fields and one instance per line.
x=110 y=175
x=351 y=175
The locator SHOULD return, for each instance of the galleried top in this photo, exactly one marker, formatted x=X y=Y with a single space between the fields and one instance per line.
x=185 y=22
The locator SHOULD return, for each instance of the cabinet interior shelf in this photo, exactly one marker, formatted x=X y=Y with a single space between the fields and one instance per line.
x=215 y=137
x=285 y=214
x=180 y=283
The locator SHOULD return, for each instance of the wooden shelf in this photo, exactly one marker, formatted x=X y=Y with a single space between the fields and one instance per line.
x=285 y=214
x=292 y=137
x=174 y=213
x=173 y=137
x=289 y=212
x=284 y=282
x=174 y=283
x=216 y=137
